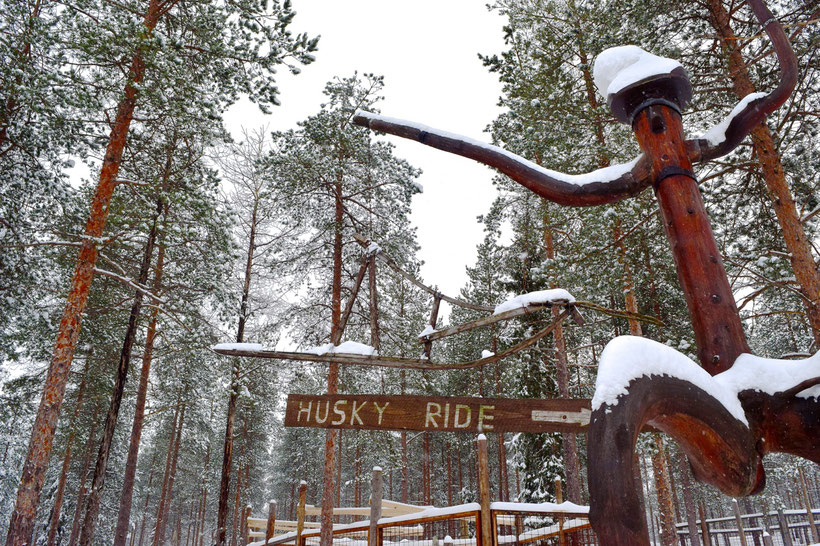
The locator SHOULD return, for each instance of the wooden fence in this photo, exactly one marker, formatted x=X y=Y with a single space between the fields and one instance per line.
x=511 y=524
x=776 y=528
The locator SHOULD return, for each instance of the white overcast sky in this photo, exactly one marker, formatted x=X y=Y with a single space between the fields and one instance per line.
x=427 y=50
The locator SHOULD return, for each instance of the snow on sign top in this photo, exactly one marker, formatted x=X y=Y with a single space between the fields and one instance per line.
x=618 y=67
x=541 y=296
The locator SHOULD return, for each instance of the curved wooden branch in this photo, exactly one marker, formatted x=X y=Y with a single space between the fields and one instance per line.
x=603 y=186
x=720 y=449
x=756 y=110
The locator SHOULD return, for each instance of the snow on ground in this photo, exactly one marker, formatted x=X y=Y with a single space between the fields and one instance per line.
x=627 y=358
x=541 y=296
x=619 y=67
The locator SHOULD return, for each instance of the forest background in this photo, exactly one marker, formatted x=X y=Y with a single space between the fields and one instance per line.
x=211 y=238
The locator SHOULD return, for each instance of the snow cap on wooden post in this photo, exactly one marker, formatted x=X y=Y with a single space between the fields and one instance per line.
x=375 y=507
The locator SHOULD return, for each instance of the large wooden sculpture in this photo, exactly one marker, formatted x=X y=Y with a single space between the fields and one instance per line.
x=724 y=424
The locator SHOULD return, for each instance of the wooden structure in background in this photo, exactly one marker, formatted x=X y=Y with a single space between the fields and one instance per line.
x=723 y=451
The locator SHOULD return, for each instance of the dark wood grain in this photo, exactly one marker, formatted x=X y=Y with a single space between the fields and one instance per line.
x=436 y=413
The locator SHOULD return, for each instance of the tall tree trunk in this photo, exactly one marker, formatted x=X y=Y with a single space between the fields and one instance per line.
x=227 y=453
x=798 y=245
x=81 y=491
x=688 y=500
x=159 y=537
x=93 y=503
x=569 y=441
x=124 y=515
x=21 y=524
x=58 y=497
x=666 y=508
x=326 y=533
x=147 y=498
x=163 y=490
x=237 y=503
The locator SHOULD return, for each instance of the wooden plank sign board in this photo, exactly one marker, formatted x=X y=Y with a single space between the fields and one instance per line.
x=436 y=413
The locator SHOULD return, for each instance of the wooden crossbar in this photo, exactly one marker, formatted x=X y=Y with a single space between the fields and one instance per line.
x=392 y=361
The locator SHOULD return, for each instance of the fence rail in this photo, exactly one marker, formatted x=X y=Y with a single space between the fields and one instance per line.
x=783 y=527
x=531 y=524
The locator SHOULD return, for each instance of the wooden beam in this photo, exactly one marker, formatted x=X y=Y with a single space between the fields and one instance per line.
x=395 y=267
x=436 y=413
x=484 y=321
x=390 y=361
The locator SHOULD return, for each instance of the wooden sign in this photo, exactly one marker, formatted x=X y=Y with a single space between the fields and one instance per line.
x=436 y=413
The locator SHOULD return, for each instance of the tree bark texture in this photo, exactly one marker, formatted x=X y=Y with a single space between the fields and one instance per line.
x=21 y=525
x=165 y=476
x=97 y=483
x=569 y=443
x=688 y=501
x=660 y=469
x=326 y=533
x=798 y=245
x=164 y=507
x=81 y=491
x=227 y=452
x=58 y=496
x=126 y=497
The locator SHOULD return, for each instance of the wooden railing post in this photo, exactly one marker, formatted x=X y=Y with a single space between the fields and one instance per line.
x=375 y=507
x=809 y=516
x=559 y=498
x=448 y=541
x=739 y=521
x=785 y=533
x=767 y=539
x=300 y=512
x=484 y=491
x=271 y=526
